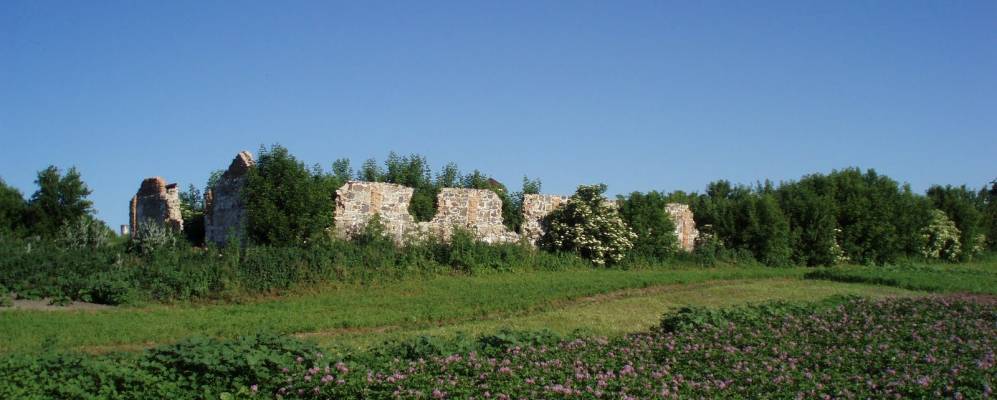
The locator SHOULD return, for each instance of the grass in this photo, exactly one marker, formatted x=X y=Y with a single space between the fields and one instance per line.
x=978 y=277
x=341 y=314
x=626 y=311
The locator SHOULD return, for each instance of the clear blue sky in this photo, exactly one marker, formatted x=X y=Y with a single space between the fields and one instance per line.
x=639 y=95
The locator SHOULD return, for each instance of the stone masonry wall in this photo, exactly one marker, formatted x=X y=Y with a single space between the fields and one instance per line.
x=357 y=202
x=535 y=208
x=224 y=209
x=478 y=210
x=685 y=225
x=155 y=202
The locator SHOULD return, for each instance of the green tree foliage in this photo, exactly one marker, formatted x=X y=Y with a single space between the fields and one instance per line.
x=813 y=221
x=60 y=199
x=588 y=226
x=965 y=208
x=286 y=202
x=745 y=218
x=192 y=212
x=989 y=196
x=86 y=232
x=341 y=171
x=766 y=230
x=646 y=215
x=12 y=208
x=413 y=171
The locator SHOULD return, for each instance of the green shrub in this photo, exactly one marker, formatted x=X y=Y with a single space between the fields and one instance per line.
x=588 y=226
x=12 y=209
x=646 y=215
x=151 y=236
x=941 y=238
x=210 y=367
x=286 y=203
x=79 y=377
x=84 y=233
x=964 y=208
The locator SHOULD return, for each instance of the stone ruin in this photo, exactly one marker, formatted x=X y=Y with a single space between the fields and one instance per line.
x=224 y=211
x=535 y=208
x=358 y=202
x=477 y=210
x=156 y=202
x=685 y=225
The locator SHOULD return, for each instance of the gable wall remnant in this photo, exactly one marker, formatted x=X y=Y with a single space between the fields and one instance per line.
x=157 y=202
x=224 y=209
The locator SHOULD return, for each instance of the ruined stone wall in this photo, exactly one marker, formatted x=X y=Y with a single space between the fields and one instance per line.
x=685 y=225
x=477 y=210
x=224 y=210
x=535 y=208
x=357 y=202
x=155 y=202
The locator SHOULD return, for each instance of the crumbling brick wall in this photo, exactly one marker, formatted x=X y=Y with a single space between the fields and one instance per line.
x=224 y=209
x=157 y=202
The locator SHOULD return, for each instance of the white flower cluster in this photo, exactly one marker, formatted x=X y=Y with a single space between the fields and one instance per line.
x=590 y=227
x=940 y=239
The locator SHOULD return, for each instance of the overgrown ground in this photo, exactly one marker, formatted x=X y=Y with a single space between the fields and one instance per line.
x=606 y=302
x=415 y=336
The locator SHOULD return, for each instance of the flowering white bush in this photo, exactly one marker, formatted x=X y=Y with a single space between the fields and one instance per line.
x=588 y=225
x=940 y=238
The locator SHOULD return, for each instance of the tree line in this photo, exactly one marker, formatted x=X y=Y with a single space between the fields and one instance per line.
x=847 y=215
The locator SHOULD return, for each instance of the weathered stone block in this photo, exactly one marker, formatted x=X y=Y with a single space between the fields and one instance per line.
x=155 y=202
x=685 y=225
x=535 y=208
x=225 y=211
x=357 y=202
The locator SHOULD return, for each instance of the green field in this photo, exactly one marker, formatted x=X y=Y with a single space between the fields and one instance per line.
x=378 y=328
x=598 y=301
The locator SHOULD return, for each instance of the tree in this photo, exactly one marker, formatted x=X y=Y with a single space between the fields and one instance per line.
x=286 y=202
x=192 y=212
x=812 y=220
x=589 y=226
x=990 y=201
x=58 y=201
x=12 y=208
x=646 y=215
x=341 y=171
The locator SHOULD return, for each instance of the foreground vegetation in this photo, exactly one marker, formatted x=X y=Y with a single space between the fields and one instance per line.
x=411 y=304
x=771 y=351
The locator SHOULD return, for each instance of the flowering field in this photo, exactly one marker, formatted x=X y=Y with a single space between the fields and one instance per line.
x=894 y=348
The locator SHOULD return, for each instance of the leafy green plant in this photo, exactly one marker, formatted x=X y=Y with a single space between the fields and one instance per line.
x=84 y=233
x=941 y=238
x=287 y=204
x=588 y=226
x=151 y=236
x=646 y=215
